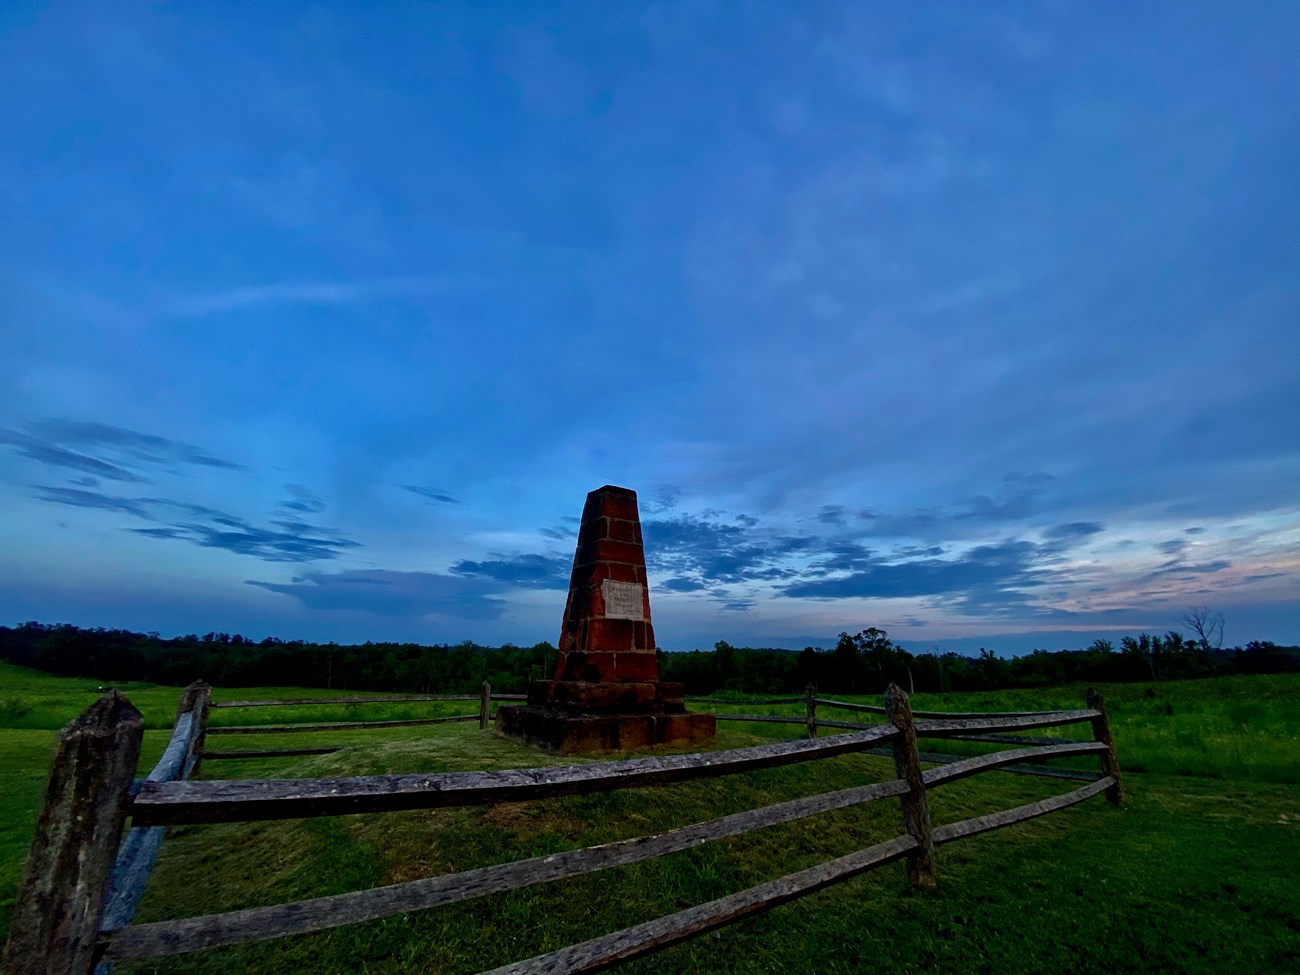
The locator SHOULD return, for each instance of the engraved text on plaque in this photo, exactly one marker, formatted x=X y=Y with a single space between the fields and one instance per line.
x=623 y=600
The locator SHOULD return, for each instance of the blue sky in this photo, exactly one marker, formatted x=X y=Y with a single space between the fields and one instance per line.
x=975 y=322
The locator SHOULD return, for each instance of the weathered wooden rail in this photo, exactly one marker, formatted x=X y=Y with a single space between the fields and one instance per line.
x=925 y=729
x=483 y=716
x=84 y=879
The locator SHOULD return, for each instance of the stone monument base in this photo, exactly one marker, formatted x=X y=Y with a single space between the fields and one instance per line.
x=580 y=716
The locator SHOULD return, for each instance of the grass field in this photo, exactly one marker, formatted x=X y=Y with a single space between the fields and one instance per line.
x=1197 y=873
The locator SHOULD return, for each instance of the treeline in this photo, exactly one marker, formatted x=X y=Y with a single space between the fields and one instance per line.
x=867 y=662
x=861 y=663
x=231 y=660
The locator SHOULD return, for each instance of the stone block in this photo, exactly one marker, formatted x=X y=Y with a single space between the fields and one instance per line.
x=609 y=635
x=573 y=734
x=624 y=531
x=608 y=550
x=640 y=666
x=621 y=506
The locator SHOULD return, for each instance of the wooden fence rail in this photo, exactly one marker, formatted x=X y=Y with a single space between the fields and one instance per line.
x=259 y=924
x=84 y=869
x=484 y=715
x=812 y=723
x=288 y=729
x=421 y=698
x=756 y=702
x=230 y=800
x=873 y=709
x=286 y=702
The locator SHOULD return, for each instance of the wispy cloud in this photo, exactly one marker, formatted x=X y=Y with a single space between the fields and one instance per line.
x=281 y=540
x=53 y=455
x=110 y=452
x=287 y=542
x=384 y=592
x=718 y=551
x=1019 y=498
x=302 y=500
x=1004 y=568
x=532 y=571
x=304 y=293
x=79 y=498
x=431 y=493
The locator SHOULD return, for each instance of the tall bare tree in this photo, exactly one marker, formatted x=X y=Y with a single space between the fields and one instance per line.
x=1206 y=624
x=1208 y=627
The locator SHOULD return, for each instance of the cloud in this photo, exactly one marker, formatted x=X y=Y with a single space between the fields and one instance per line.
x=433 y=494
x=844 y=555
x=145 y=447
x=1016 y=501
x=92 y=499
x=298 y=542
x=711 y=554
x=1019 y=498
x=285 y=540
x=303 y=500
x=1178 y=568
x=533 y=571
x=385 y=592
x=1061 y=538
x=303 y=293
x=1074 y=531
x=1262 y=576
x=831 y=514
x=984 y=568
x=682 y=584
x=665 y=500
x=719 y=552
x=54 y=456
x=269 y=545
x=108 y=452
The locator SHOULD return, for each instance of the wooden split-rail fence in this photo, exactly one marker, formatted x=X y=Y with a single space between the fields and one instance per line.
x=86 y=872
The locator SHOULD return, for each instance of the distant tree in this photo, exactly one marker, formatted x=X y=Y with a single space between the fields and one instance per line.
x=724 y=661
x=1207 y=625
x=807 y=667
x=846 y=664
x=1145 y=650
x=993 y=669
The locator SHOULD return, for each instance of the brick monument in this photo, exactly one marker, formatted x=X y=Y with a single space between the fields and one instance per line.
x=606 y=693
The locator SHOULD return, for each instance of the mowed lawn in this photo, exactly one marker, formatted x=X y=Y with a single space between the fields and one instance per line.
x=1197 y=873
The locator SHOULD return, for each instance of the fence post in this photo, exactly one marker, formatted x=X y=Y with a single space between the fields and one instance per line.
x=810 y=699
x=916 y=808
x=60 y=902
x=1101 y=733
x=484 y=706
x=197 y=697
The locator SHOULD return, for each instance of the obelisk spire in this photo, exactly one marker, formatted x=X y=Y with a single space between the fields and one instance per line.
x=606 y=635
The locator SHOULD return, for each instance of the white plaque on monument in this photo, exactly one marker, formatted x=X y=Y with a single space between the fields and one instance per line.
x=623 y=600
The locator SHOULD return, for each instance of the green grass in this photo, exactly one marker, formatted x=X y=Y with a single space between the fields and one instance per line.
x=1194 y=874
x=1239 y=728
x=34 y=705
